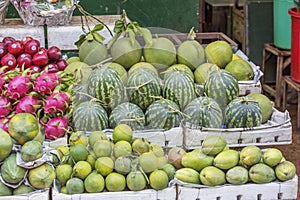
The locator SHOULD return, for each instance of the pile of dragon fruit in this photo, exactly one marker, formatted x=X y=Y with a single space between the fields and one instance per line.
x=32 y=80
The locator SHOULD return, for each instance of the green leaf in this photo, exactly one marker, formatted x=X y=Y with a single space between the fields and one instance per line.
x=119 y=26
x=99 y=38
x=133 y=27
x=147 y=35
x=81 y=39
x=90 y=37
x=136 y=24
x=98 y=27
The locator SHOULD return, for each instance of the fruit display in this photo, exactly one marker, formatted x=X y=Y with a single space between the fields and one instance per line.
x=154 y=70
x=101 y=98
x=35 y=91
x=112 y=164
x=125 y=163
x=215 y=164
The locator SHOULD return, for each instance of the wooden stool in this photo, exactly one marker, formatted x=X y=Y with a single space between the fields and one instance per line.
x=287 y=81
x=283 y=60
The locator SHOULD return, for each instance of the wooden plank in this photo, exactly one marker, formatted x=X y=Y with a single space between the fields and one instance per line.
x=64 y=37
x=15 y=28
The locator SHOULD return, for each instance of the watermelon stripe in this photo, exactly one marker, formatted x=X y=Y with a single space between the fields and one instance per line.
x=222 y=86
x=243 y=112
x=127 y=113
x=106 y=85
x=90 y=116
x=180 y=88
x=204 y=111
x=143 y=86
x=159 y=115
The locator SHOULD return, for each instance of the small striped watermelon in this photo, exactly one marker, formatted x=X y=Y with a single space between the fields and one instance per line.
x=222 y=86
x=243 y=112
x=90 y=116
x=79 y=94
x=106 y=85
x=127 y=113
x=143 y=87
x=180 y=88
x=163 y=114
x=205 y=112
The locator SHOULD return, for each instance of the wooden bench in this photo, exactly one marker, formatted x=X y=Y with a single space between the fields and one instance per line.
x=288 y=81
x=283 y=61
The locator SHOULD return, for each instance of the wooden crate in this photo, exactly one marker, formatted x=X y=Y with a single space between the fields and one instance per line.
x=276 y=131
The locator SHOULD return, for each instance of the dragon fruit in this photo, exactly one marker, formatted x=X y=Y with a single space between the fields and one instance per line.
x=46 y=83
x=4 y=123
x=56 y=127
x=28 y=104
x=2 y=83
x=5 y=106
x=18 y=86
x=57 y=103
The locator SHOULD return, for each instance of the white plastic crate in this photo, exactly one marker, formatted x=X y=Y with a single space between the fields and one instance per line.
x=277 y=131
x=287 y=190
x=148 y=194
x=36 y=195
x=270 y=191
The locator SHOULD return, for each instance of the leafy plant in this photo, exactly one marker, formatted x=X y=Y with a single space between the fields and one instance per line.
x=124 y=26
x=89 y=33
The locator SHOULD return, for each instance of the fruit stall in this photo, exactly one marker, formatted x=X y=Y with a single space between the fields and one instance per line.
x=99 y=107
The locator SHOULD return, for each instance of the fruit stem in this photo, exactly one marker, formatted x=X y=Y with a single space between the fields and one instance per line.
x=86 y=15
x=191 y=35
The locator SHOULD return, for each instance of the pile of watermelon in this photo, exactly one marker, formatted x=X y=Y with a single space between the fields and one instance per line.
x=155 y=86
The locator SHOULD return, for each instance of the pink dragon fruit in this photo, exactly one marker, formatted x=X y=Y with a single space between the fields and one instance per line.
x=57 y=103
x=2 y=83
x=4 y=123
x=56 y=127
x=28 y=104
x=46 y=83
x=19 y=86
x=5 y=106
